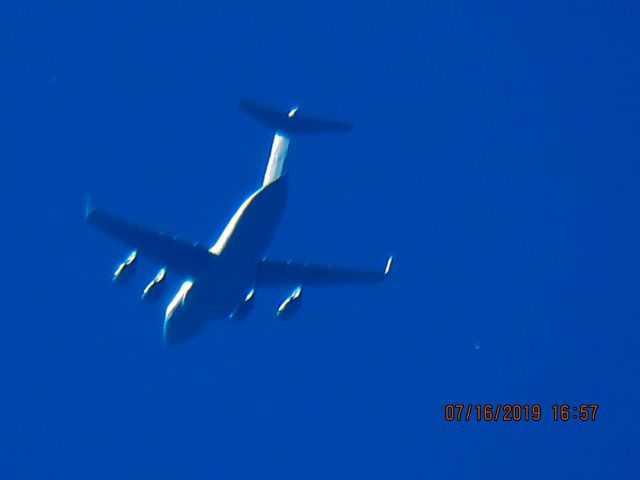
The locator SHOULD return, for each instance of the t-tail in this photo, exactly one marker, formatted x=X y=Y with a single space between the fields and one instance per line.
x=286 y=124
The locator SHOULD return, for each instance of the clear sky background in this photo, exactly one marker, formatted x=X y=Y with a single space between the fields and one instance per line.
x=495 y=153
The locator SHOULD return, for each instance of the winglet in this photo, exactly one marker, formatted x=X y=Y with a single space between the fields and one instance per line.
x=387 y=268
x=87 y=208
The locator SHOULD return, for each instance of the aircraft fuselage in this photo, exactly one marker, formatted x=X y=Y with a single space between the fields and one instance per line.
x=223 y=289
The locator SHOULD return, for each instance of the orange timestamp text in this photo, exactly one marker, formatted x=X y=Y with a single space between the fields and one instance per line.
x=516 y=412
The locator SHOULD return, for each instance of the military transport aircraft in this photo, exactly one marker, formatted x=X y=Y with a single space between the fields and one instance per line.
x=222 y=280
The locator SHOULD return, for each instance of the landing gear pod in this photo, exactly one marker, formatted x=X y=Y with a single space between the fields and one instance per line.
x=125 y=270
x=178 y=300
x=154 y=289
x=291 y=304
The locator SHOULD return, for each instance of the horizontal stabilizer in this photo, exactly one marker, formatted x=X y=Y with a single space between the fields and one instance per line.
x=291 y=122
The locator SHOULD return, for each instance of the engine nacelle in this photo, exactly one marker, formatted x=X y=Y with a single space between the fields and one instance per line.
x=291 y=304
x=154 y=289
x=245 y=308
x=125 y=270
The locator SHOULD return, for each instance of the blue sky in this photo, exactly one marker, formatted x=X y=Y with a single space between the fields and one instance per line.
x=495 y=154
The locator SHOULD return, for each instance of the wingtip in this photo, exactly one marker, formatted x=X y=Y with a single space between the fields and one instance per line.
x=88 y=208
x=387 y=268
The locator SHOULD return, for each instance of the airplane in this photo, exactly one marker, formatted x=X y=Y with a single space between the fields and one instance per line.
x=221 y=281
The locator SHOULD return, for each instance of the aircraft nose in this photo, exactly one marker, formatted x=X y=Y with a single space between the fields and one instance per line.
x=177 y=331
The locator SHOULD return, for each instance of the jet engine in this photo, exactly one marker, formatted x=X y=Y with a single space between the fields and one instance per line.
x=245 y=308
x=155 y=287
x=291 y=304
x=125 y=270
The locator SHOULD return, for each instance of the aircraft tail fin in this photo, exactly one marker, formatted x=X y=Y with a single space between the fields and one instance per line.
x=286 y=125
x=291 y=123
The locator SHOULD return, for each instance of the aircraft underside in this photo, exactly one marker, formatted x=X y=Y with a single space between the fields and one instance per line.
x=221 y=282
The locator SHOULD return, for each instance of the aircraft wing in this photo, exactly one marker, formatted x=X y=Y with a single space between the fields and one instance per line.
x=171 y=252
x=274 y=272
